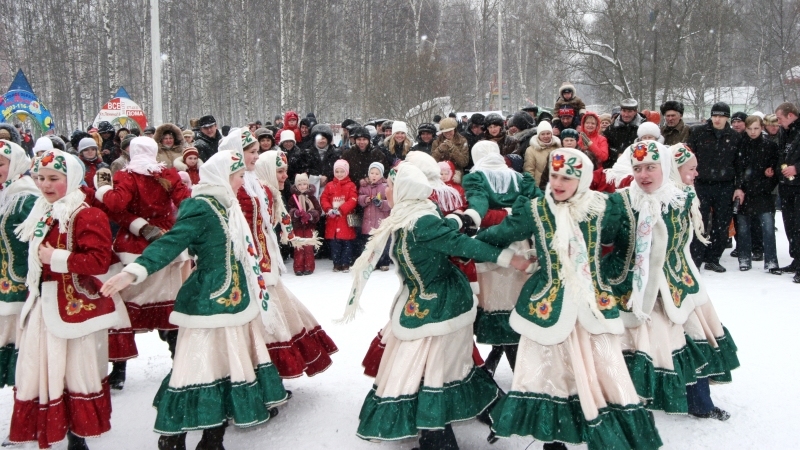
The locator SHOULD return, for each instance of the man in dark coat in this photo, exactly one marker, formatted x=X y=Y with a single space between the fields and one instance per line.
x=674 y=130
x=720 y=176
x=622 y=131
x=425 y=134
x=362 y=155
x=207 y=142
x=789 y=181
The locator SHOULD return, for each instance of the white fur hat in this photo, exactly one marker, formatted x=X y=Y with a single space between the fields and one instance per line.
x=287 y=135
x=398 y=126
x=648 y=129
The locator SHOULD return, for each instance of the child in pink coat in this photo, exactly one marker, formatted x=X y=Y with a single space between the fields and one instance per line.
x=372 y=197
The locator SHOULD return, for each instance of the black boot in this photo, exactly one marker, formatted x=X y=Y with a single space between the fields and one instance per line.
x=212 y=438
x=116 y=379
x=511 y=354
x=554 y=446
x=173 y=442
x=171 y=338
x=75 y=442
x=491 y=362
x=438 y=439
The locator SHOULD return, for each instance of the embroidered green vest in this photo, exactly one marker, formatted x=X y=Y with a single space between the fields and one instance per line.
x=482 y=198
x=14 y=253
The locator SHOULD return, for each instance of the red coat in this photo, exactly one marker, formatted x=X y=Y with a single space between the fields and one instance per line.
x=143 y=197
x=599 y=142
x=91 y=168
x=72 y=275
x=295 y=129
x=252 y=213
x=343 y=190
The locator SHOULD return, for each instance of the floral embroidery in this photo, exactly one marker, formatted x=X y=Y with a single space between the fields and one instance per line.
x=75 y=305
x=676 y=296
x=682 y=154
x=605 y=301
x=541 y=309
x=237 y=163
x=236 y=293
x=47 y=159
x=281 y=160
x=412 y=308
x=265 y=301
x=687 y=279
x=624 y=300
x=558 y=162
x=6 y=148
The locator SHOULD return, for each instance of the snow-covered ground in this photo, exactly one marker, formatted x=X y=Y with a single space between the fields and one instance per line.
x=758 y=308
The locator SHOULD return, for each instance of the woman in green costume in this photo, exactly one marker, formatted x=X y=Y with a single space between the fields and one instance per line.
x=427 y=378
x=18 y=193
x=570 y=384
x=222 y=370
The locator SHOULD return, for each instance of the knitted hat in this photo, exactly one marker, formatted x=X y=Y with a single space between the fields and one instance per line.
x=569 y=133
x=189 y=151
x=544 y=126
x=426 y=127
x=605 y=116
x=646 y=152
x=739 y=115
x=376 y=165
x=287 y=135
x=476 y=119
x=42 y=144
x=188 y=133
x=399 y=127
x=721 y=109
x=301 y=178
x=672 y=105
x=448 y=124
x=342 y=164
x=86 y=143
x=648 y=129
x=572 y=163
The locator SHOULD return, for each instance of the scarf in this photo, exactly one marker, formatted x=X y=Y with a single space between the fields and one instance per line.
x=17 y=185
x=446 y=196
x=680 y=156
x=143 y=151
x=41 y=218
x=411 y=191
x=489 y=162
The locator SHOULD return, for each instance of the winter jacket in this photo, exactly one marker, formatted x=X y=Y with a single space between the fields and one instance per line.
x=675 y=135
x=296 y=129
x=536 y=156
x=373 y=215
x=341 y=195
x=303 y=161
x=620 y=135
x=422 y=147
x=329 y=158
x=717 y=153
x=111 y=148
x=577 y=104
x=789 y=149
x=758 y=155
x=359 y=161
x=455 y=150
x=392 y=150
x=167 y=155
x=304 y=202
x=599 y=144
x=207 y=146
x=90 y=168
x=506 y=143
x=120 y=163
x=523 y=139
x=194 y=172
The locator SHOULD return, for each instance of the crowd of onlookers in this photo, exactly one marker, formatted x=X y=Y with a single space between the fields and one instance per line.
x=747 y=164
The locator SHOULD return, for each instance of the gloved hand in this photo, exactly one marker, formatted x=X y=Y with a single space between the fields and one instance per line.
x=376 y=201
x=150 y=232
x=304 y=217
x=468 y=226
x=333 y=212
x=102 y=178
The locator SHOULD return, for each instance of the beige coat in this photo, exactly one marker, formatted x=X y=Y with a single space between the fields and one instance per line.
x=536 y=156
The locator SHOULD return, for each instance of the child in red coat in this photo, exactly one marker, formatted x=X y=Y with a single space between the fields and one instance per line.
x=305 y=210
x=338 y=200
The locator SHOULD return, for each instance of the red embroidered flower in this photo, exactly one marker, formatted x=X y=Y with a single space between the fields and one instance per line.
x=558 y=162
x=47 y=159
x=5 y=286
x=411 y=308
x=687 y=279
x=74 y=307
x=605 y=301
x=640 y=152
x=286 y=220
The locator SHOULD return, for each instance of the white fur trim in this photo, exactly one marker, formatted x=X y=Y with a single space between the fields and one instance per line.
x=137 y=225
x=504 y=259
x=64 y=330
x=101 y=192
x=474 y=215
x=58 y=262
x=553 y=335
x=10 y=308
x=112 y=270
x=456 y=218
x=476 y=288
x=138 y=271
x=270 y=278
x=218 y=320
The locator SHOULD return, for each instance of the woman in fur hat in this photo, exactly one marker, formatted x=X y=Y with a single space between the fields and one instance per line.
x=190 y=163
x=296 y=341
x=18 y=193
x=398 y=144
x=536 y=155
x=222 y=370
x=61 y=388
x=143 y=199
x=570 y=384
x=427 y=378
x=170 y=143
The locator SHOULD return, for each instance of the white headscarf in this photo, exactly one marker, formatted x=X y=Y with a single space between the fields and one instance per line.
x=215 y=181
x=17 y=185
x=621 y=169
x=447 y=197
x=681 y=154
x=410 y=189
x=650 y=208
x=34 y=229
x=143 y=151
x=487 y=159
x=568 y=242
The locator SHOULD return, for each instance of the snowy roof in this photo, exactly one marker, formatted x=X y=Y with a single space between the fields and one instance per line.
x=438 y=104
x=732 y=95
